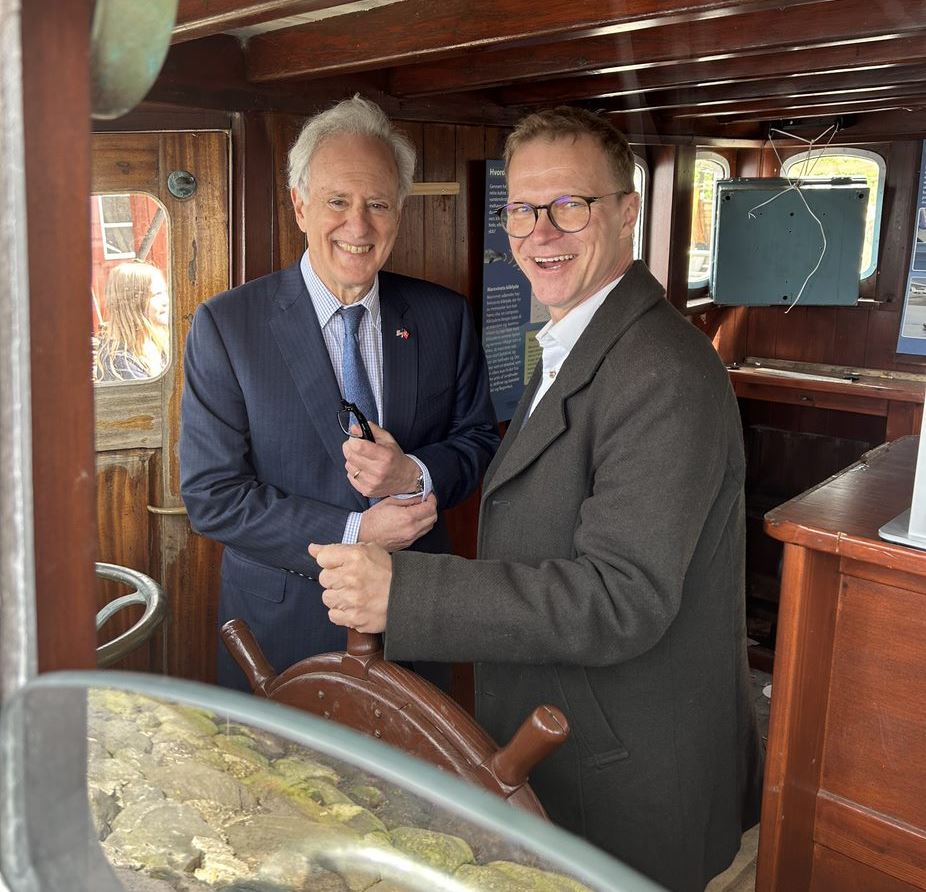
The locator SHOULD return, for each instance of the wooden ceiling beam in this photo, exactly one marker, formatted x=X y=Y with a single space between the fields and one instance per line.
x=799 y=106
x=210 y=73
x=848 y=21
x=650 y=129
x=824 y=61
x=203 y=18
x=880 y=81
x=412 y=30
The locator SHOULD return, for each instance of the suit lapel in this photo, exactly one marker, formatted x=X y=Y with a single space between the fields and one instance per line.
x=636 y=293
x=295 y=327
x=400 y=361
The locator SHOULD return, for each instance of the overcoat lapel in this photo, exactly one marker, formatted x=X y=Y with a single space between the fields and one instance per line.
x=633 y=296
x=400 y=361
x=295 y=327
x=514 y=426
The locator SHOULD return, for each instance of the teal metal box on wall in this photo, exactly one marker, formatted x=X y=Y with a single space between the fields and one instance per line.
x=767 y=242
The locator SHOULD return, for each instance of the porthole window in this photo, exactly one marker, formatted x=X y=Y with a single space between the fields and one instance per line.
x=709 y=168
x=828 y=163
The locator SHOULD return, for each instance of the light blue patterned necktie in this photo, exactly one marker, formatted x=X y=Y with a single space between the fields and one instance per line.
x=357 y=389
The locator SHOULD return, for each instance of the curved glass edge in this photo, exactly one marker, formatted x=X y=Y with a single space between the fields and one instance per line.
x=574 y=855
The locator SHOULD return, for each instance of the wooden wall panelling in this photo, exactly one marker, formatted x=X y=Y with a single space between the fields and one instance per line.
x=851 y=336
x=289 y=244
x=56 y=109
x=412 y=243
x=254 y=247
x=470 y=165
x=832 y=871
x=881 y=346
x=126 y=482
x=495 y=142
x=189 y=571
x=441 y=263
x=819 y=334
x=125 y=162
x=762 y=331
x=792 y=325
x=874 y=750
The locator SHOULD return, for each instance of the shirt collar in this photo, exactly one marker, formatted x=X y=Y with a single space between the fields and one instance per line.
x=326 y=304
x=569 y=329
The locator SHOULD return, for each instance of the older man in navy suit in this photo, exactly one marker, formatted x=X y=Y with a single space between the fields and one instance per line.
x=265 y=465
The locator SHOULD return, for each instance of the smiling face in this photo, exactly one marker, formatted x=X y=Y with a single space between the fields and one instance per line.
x=565 y=269
x=351 y=215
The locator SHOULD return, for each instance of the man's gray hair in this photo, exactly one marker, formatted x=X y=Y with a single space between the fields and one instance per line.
x=351 y=116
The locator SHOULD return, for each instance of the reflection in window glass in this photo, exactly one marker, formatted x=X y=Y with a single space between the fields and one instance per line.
x=130 y=293
x=848 y=163
x=709 y=168
x=640 y=184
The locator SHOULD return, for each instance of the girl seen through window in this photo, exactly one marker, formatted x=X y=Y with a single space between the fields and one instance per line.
x=134 y=341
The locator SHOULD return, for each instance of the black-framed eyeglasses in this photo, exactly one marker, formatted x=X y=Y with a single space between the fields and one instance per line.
x=349 y=416
x=568 y=213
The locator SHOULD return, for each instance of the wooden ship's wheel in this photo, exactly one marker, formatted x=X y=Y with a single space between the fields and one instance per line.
x=360 y=689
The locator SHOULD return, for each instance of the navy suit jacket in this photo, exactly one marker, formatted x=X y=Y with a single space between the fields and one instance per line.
x=260 y=448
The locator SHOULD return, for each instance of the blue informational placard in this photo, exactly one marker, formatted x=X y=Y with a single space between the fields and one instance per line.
x=912 y=337
x=509 y=317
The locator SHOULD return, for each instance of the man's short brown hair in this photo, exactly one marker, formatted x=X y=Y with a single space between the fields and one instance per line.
x=565 y=121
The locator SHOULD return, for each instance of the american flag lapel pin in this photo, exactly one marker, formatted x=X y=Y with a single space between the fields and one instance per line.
x=402 y=333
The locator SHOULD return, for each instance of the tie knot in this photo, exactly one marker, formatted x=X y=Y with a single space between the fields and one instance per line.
x=352 y=317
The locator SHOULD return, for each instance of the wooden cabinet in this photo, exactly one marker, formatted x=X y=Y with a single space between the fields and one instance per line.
x=844 y=806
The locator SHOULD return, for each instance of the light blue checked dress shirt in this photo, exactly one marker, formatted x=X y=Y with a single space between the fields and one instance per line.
x=371 y=348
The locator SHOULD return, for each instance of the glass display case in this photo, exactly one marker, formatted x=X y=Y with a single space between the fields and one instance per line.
x=116 y=781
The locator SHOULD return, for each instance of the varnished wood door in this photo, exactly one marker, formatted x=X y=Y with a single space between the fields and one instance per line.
x=142 y=524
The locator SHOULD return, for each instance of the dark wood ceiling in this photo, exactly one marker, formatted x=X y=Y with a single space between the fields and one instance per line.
x=683 y=70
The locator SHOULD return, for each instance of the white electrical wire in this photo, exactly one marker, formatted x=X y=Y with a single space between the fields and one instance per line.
x=795 y=186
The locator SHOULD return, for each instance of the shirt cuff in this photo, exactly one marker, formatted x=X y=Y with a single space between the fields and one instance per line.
x=352 y=528
x=428 y=485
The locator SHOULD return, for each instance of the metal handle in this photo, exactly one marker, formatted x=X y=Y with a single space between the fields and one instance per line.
x=154 y=509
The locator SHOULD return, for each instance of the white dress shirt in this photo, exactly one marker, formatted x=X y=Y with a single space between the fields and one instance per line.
x=558 y=338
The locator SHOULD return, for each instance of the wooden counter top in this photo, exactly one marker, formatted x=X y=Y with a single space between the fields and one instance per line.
x=842 y=515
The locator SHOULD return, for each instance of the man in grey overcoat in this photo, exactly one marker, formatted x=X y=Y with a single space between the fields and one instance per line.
x=609 y=577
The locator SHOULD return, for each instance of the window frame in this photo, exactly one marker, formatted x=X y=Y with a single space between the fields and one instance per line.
x=639 y=230
x=868 y=155
x=700 y=286
x=146 y=391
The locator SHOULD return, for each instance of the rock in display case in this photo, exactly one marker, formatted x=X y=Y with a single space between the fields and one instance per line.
x=114 y=781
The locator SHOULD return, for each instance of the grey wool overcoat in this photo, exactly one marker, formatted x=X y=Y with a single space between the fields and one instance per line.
x=609 y=582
